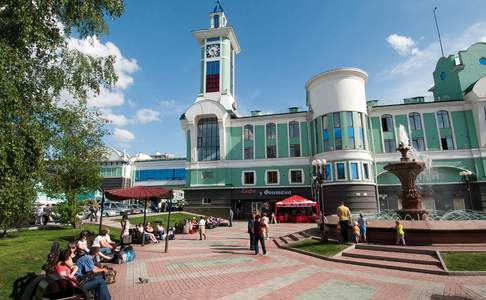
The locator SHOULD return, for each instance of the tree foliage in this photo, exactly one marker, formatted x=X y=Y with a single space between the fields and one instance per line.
x=36 y=65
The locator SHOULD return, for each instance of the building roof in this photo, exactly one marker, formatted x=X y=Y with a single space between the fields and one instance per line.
x=218 y=7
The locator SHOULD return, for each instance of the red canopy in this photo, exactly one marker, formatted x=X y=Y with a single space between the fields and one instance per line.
x=296 y=201
x=137 y=192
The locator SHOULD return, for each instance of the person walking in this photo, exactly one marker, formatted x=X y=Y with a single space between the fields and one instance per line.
x=231 y=214
x=92 y=213
x=344 y=215
x=259 y=231
x=251 y=231
x=362 y=223
x=266 y=221
x=202 y=228
x=400 y=233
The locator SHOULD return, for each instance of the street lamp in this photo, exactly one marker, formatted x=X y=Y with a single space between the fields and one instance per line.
x=318 y=177
x=468 y=177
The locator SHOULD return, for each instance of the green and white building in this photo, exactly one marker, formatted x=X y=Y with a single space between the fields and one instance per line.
x=244 y=161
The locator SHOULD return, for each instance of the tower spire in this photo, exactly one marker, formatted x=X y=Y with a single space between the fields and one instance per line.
x=218 y=7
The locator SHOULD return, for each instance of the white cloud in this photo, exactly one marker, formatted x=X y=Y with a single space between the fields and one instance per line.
x=123 y=135
x=146 y=115
x=117 y=120
x=404 y=45
x=413 y=76
x=124 y=68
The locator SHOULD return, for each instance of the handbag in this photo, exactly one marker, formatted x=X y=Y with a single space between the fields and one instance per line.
x=110 y=275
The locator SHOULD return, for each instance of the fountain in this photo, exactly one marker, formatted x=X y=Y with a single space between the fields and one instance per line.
x=407 y=171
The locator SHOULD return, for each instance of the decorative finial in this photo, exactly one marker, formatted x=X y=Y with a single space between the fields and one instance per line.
x=218 y=7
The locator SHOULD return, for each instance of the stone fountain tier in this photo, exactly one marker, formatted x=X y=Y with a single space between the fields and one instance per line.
x=407 y=171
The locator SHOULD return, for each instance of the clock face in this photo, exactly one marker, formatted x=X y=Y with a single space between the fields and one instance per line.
x=212 y=50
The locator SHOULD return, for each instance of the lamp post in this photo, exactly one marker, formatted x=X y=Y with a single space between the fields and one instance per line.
x=468 y=177
x=318 y=177
x=101 y=209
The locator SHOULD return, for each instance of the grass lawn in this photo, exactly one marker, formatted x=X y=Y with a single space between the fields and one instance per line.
x=318 y=247
x=174 y=218
x=26 y=251
x=465 y=261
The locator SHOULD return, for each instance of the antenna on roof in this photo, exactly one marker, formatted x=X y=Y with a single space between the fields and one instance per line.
x=438 y=32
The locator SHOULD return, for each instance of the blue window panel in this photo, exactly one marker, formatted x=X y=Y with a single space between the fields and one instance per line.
x=350 y=131
x=212 y=67
x=337 y=133
x=443 y=75
x=216 y=21
x=341 y=172
x=354 y=171
x=482 y=60
x=325 y=135
x=328 y=172
x=162 y=174
x=215 y=39
x=366 y=171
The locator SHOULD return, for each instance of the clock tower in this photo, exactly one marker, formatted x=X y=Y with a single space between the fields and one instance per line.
x=219 y=47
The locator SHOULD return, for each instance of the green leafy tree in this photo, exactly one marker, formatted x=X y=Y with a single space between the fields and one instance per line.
x=73 y=157
x=36 y=65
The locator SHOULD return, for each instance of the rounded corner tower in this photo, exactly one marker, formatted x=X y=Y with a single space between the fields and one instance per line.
x=338 y=125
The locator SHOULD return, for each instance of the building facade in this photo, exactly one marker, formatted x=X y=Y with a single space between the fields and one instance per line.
x=249 y=162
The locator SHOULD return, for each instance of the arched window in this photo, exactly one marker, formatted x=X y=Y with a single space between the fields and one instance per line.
x=294 y=130
x=415 y=121
x=248 y=132
x=271 y=131
x=216 y=21
x=387 y=123
x=443 y=119
x=208 y=139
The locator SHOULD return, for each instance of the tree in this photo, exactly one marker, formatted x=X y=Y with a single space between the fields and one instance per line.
x=36 y=65
x=73 y=157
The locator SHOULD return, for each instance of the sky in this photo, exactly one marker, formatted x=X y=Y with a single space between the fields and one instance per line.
x=284 y=43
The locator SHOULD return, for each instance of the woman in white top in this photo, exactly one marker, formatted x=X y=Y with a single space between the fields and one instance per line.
x=125 y=226
x=202 y=228
x=82 y=243
x=266 y=221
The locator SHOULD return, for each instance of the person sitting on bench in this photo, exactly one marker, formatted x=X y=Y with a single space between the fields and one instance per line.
x=66 y=267
x=96 y=280
x=102 y=241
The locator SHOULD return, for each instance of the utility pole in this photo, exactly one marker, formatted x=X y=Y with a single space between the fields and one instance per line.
x=438 y=32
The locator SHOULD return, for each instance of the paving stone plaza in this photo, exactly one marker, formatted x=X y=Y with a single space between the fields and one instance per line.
x=222 y=267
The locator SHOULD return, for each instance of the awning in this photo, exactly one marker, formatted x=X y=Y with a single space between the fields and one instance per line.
x=137 y=192
x=296 y=201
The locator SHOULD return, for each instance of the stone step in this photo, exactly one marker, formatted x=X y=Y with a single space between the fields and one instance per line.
x=395 y=249
x=420 y=259
x=293 y=237
x=304 y=234
x=395 y=265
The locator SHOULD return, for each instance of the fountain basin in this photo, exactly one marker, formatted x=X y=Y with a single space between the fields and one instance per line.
x=420 y=232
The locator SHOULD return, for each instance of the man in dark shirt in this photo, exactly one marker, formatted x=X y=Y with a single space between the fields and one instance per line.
x=251 y=231
x=85 y=265
x=259 y=231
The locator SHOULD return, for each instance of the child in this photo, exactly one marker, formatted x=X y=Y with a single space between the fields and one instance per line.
x=362 y=222
x=400 y=233
x=356 y=232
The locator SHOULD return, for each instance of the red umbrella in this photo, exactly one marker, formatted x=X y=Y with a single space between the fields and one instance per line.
x=141 y=193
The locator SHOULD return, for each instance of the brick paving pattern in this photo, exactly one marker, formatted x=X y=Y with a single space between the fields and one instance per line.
x=222 y=267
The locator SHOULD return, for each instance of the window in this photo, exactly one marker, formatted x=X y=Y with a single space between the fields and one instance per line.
x=296 y=176
x=248 y=132
x=387 y=123
x=366 y=171
x=216 y=21
x=447 y=143
x=207 y=174
x=354 y=171
x=212 y=76
x=324 y=122
x=390 y=146
x=206 y=200
x=271 y=151
x=294 y=130
x=208 y=139
x=349 y=119
x=249 y=178
x=482 y=60
x=350 y=129
x=160 y=174
x=361 y=131
x=272 y=177
x=443 y=119
x=418 y=144
x=443 y=76
x=325 y=135
x=248 y=153
x=341 y=171
x=328 y=175
x=338 y=143
x=271 y=131
x=337 y=119
x=415 y=121
x=215 y=39
x=294 y=150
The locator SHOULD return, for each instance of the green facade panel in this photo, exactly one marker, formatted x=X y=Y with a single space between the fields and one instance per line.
x=259 y=141
x=283 y=140
x=319 y=135
x=375 y=134
x=234 y=143
x=430 y=125
x=464 y=129
x=304 y=134
x=188 y=145
x=312 y=135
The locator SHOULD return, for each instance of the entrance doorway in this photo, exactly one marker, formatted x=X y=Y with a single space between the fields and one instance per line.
x=256 y=207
